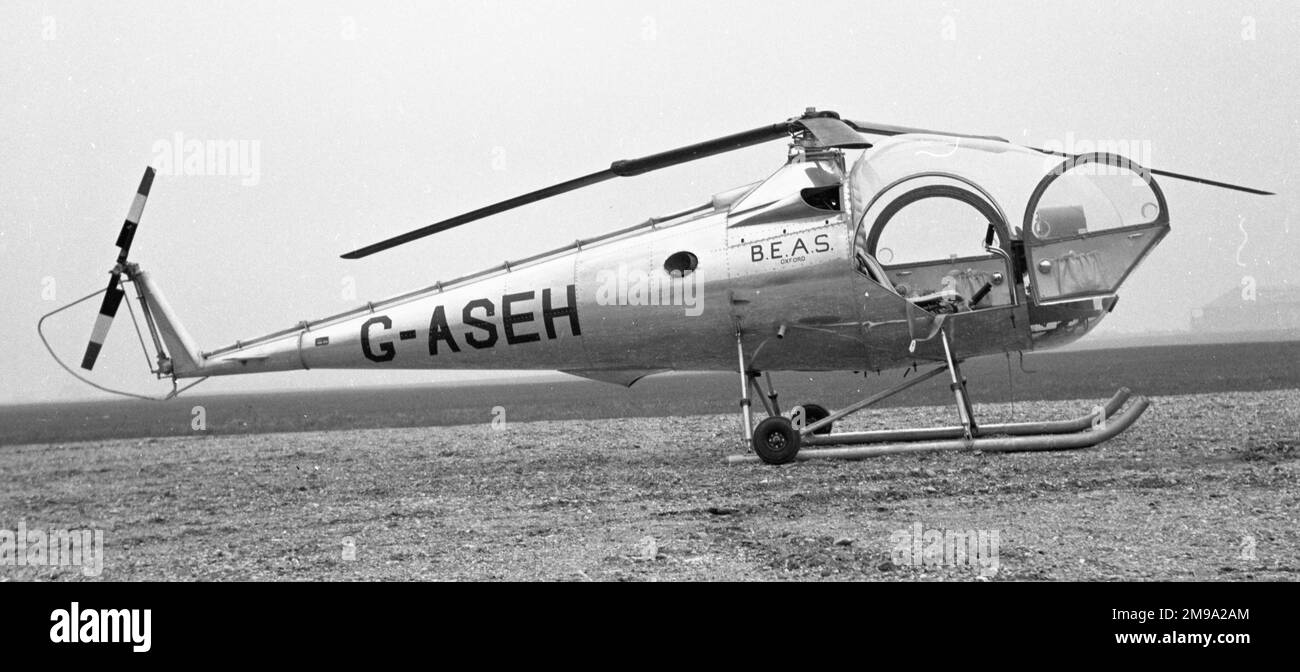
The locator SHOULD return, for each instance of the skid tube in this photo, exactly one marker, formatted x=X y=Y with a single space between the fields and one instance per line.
x=1104 y=423
x=1015 y=428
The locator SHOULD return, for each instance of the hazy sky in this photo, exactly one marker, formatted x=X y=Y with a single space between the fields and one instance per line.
x=356 y=122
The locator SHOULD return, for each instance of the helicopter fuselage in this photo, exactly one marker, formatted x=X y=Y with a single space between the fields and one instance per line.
x=782 y=267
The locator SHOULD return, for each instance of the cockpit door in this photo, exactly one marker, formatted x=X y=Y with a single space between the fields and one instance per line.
x=1088 y=225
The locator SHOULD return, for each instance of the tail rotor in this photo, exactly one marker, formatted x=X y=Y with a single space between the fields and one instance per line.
x=114 y=294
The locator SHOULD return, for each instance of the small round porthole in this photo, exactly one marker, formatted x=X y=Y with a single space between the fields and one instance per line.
x=681 y=264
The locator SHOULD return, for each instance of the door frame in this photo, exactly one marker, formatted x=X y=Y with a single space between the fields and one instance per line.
x=970 y=194
x=1160 y=224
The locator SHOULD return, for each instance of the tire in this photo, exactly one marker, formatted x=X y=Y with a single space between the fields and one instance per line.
x=812 y=413
x=776 y=441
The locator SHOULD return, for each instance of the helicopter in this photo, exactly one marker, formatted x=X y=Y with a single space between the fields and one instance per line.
x=788 y=273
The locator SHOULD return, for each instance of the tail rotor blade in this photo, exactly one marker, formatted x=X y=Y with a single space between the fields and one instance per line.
x=114 y=293
x=127 y=234
x=107 y=311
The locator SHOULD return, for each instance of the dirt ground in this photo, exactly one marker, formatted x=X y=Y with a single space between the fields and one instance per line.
x=1202 y=487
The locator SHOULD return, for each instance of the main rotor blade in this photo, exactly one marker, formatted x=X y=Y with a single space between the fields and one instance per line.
x=1212 y=183
x=890 y=130
x=1178 y=176
x=623 y=168
x=487 y=211
x=699 y=150
x=833 y=132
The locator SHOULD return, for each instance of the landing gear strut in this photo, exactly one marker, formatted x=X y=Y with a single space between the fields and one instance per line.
x=778 y=439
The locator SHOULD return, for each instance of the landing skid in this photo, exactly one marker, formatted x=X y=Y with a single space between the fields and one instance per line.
x=780 y=439
x=1082 y=432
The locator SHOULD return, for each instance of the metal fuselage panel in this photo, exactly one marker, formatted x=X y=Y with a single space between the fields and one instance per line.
x=643 y=317
x=612 y=306
x=527 y=318
x=792 y=296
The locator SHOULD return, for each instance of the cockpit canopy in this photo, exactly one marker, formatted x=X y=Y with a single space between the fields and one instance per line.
x=994 y=184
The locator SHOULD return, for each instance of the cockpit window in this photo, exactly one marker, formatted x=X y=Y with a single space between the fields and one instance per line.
x=790 y=179
x=822 y=198
x=933 y=228
x=1090 y=197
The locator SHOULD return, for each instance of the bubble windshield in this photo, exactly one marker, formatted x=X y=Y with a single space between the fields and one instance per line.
x=1088 y=196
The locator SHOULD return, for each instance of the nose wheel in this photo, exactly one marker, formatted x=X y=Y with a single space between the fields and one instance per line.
x=776 y=441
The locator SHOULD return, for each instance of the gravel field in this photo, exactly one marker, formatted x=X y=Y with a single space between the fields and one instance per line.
x=1194 y=368
x=1203 y=487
